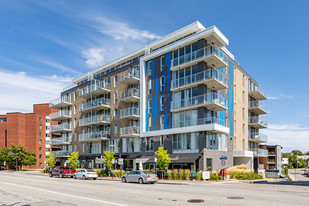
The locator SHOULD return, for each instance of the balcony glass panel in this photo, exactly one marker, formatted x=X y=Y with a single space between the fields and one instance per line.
x=133 y=92
x=94 y=103
x=63 y=99
x=129 y=131
x=131 y=111
x=208 y=120
x=259 y=104
x=132 y=73
x=256 y=119
x=259 y=136
x=94 y=86
x=95 y=119
x=94 y=135
x=61 y=113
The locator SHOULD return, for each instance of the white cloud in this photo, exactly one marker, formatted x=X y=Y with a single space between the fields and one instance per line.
x=19 y=92
x=289 y=136
x=281 y=96
x=59 y=66
x=94 y=56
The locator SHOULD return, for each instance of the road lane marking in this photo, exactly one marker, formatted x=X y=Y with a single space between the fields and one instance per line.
x=64 y=183
x=59 y=193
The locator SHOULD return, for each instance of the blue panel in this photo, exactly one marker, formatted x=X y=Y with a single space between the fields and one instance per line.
x=165 y=118
x=146 y=118
x=231 y=103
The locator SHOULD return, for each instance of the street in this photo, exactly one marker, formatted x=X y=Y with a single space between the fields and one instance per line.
x=18 y=188
x=298 y=175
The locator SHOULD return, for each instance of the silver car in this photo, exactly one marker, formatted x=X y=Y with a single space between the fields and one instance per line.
x=86 y=174
x=140 y=177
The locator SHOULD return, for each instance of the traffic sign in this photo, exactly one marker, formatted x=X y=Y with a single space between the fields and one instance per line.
x=223 y=157
x=120 y=161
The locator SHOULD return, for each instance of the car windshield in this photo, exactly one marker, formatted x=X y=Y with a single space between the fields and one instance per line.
x=147 y=172
x=90 y=170
x=65 y=168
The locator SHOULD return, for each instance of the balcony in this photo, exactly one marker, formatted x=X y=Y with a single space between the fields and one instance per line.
x=95 y=88
x=62 y=153
x=257 y=93
x=61 y=115
x=95 y=120
x=97 y=104
x=271 y=162
x=271 y=154
x=131 y=113
x=131 y=76
x=211 y=78
x=258 y=107
x=257 y=122
x=60 y=102
x=61 y=141
x=212 y=55
x=132 y=131
x=60 y=128
x=94 y=136
x=257 y=152
x=130 y=95
x=258 y=137
x=194 y=122
x=211 y=101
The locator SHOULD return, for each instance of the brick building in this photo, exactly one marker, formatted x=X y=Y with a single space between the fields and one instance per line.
x=29 y=129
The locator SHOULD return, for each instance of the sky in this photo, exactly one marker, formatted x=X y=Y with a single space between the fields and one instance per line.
x=45 y=44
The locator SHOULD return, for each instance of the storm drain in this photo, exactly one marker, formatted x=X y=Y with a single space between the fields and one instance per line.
x=235 y=198
x=195 y=201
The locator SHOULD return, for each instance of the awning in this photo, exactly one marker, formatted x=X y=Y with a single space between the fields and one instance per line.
x=178 y=158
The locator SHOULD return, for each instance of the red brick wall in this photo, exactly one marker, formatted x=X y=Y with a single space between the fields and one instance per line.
x=3 y=131
x=263 y=160
x=43 y=109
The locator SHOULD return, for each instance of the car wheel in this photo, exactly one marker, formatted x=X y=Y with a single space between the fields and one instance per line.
x=74 y=176
x=94 y=178
x=50 y=174
x=152 y=182
x=124 y=180
x=140 y=181
x=61 y=175
x=84 y=177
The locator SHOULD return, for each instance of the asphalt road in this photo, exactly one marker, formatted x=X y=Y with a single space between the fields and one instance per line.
x=298 y=175
x=23 y=189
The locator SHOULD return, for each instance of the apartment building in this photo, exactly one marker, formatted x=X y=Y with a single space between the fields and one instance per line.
x=185 y=92
x=29 y=129
x=273 y=161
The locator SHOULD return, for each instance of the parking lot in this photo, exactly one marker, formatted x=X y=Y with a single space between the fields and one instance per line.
x=18 y=188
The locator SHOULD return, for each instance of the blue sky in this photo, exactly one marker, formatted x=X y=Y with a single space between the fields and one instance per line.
x=44 y=44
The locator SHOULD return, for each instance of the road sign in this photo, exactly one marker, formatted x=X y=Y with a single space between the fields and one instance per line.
x=155 y=160
x=206 y=175
x=120 y=161
x=223 y=157
x=98 y=160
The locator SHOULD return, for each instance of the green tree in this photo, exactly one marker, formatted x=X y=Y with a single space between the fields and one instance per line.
x=108 y=159
x=307 y=153
x=73 y=160
x=163 y=158
x=51 y=160
x=30 y=158
x=297 y=152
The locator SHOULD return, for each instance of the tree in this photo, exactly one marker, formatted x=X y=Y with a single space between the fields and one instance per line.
x=73 y=160
x=30 y=158
x=163 y=158
x=108 y=159
x=51 y=160
x=297 y=152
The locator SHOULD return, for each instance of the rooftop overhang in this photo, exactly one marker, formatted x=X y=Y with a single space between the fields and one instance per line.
x=247 y=154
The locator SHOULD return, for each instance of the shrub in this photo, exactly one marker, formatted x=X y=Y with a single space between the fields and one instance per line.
x=181 y=174
x=187 y=174
x=199 y=175
x=101 y=173
x=175 y=174
x=170 y=174
x=215 y=177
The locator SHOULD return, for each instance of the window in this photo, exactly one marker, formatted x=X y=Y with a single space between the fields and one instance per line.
x=162 y=122
x=208 y=164
x=40 y=126
x=162 y=83
x=75 y=148
x=40 y=134
x=115 y=97
x=243 y=113
x=115 y=130
x=162 y=141
x=149 y=68
x=243 y=81
x=40 y=148
x=149 y=123
x=75 y=95
x=162 y=63
x=115 y=81
x=40 y=119
x=40 y=164
x=83 y=148
x=149 y=106
x=243 y=129
x=243 y=144
x=74 y=136
x=182 y=141
x=162 y=103
x=75 y=122
x=40 y=156
x=149 y=86
x=149 y=144
x=243 y=97
x=74 y=108
x=115 y=114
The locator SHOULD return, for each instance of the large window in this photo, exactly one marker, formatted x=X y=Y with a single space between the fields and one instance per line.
x=115 y=81
x=149 y=144
x=162 y=103
x=128 y=145
x=185 y=118
x=162 y=79
x=162 y=63
x=216 y=141
x=186 y=141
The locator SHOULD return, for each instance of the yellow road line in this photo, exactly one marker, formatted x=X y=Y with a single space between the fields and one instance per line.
x=64 y=183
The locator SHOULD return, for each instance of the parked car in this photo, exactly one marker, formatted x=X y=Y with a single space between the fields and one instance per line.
x=86 y=174
x=306 y=171
x=140 y=177
x=62 y=171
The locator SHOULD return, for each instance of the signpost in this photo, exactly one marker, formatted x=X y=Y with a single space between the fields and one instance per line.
x=120 y=161
x=223 y=158
x=206 y=175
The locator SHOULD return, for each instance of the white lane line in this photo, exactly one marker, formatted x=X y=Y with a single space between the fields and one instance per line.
x=85 y=198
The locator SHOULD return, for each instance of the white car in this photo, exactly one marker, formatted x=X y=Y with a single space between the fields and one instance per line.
x=86 y=174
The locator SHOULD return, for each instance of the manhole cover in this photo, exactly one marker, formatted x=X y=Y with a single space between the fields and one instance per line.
x=235 y=198
x=195 y=201
x=174 y=200
x=159 y=198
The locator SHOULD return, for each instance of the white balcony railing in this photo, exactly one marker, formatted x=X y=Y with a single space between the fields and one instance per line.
x=94 y=103
x=259 y=152
x=199 y=100
x=96 y=85
x=257 y=120
x=132 y=73
x=60 y=127
x=95 y=120
x=258 y=104
x=131 y=111
x=198 y=54
x=94 y=136
x=62 y=140
x=62 y=153
x=133 y=92
x=258 y=136
x=129 y=131
x=200 y=77
x=63 y=99
x=193 y=122
x=62 y=113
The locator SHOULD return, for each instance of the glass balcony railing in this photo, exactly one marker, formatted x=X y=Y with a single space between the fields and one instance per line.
x=133 y=92
x=200 y=77
x=259 y=152
x=258 y=104
x=64 y=100
x=257 y=92
x=200 y=53
x=60 y=114
x=94 y=103
x=60 y=127
x=94 y=136
x=129 y=131
x=193 y=122
x=62 y=140
x=95 y=120
x=131 y=111
x=199 y=100
x=257 y=120
x=96 y=85
x=132 y=73
x=258 y=136
x=62 y=153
